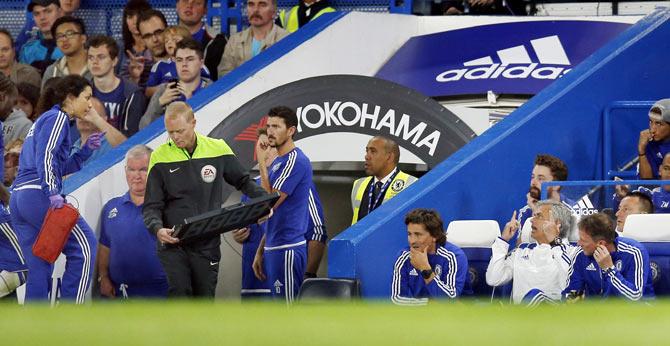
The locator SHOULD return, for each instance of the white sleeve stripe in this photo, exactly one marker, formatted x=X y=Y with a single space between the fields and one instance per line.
x=572 y=267
x=49 y=177
x=314 y=215
x=633 y=294
x=13 y=240
x=286 y=172
x=396 y=298
x=637 y=256
x=449 y=287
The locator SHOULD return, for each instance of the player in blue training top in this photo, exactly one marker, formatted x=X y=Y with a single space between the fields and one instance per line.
x=43 y=163
x=608 y=265
x=128 y=264
x=12 y=263
x=283 y=246
x=430 y=268
x=250 y=237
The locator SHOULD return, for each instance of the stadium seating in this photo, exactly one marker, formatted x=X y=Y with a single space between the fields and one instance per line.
x=475 y=238
x=326 y=288
x=653 y=231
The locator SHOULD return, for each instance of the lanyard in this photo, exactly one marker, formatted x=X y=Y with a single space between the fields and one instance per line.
x=382 y=191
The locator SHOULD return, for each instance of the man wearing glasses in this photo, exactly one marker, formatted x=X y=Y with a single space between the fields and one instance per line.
x=70 y=35
x=152 y=24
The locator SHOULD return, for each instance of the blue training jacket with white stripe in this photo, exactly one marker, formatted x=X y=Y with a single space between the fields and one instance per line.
x=45 y=157
x=630 y=280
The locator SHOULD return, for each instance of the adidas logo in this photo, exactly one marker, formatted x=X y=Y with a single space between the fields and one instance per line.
x=584 y=207
x=413 y=272
x=591 y=267
x=548 y=51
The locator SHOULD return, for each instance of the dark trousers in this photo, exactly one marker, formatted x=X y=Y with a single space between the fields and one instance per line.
x=190 y=273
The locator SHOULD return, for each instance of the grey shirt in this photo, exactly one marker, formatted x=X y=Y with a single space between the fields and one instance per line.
x=15 y=126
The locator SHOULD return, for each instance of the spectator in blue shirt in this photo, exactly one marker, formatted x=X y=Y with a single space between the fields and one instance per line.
x=128 y=264
x=40 y=51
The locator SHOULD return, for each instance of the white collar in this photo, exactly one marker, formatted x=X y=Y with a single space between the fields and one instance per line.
x=386 y=178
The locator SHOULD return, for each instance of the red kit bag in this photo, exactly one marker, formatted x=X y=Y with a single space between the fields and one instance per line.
x=54 y=232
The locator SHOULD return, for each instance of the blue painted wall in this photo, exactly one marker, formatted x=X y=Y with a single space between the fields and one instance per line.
x=488 y=178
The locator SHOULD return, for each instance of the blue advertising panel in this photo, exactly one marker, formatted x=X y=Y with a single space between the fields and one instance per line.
x=508 y=58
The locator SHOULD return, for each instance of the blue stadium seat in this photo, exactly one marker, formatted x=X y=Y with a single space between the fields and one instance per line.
x=653 y=231
x=475 y=237
x=327 y=288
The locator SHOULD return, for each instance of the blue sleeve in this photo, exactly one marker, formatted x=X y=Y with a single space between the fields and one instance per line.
x=76 y=161
x=451 y=281
x=575 y=276
x=104 y=237
x=400 y=290
x=49 y=140
x=316 y=229
x=155 y=75
x=23 y=36
x=629 y=281
x=292 y=174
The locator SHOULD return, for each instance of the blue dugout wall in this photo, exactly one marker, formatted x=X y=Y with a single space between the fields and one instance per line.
x=488 y=178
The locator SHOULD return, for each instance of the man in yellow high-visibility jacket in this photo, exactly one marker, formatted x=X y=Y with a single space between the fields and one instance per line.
x=385 y=180
x=303 y=13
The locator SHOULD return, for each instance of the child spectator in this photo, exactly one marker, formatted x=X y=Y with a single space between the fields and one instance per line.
x=165 y=71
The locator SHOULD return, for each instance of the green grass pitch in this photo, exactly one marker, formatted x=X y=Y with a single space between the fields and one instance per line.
x=334 y=323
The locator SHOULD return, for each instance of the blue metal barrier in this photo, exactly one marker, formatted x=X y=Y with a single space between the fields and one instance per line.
x=609 y=168
x=543 y=189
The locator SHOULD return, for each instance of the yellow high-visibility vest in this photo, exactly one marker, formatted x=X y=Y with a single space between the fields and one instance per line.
x=399 y=183
x=289 y=20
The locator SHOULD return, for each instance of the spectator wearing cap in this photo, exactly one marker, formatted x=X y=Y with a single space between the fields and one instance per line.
x=41 y=50
x=654 y=143
x=70 y=35
x=17 y=72
x=68 y=7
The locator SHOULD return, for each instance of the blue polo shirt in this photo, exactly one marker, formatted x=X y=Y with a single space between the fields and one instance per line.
x=133 y=259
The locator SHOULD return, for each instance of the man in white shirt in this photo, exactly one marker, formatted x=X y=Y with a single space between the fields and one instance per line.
x=539 y=270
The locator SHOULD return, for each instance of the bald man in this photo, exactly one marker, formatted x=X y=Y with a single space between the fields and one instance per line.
x=186 y=178
x=384 y=179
